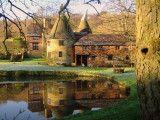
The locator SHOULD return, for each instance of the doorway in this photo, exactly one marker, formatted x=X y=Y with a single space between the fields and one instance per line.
x=82 y=59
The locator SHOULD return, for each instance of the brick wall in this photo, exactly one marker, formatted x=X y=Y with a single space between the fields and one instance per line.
x=31 y=52
x=101 y=53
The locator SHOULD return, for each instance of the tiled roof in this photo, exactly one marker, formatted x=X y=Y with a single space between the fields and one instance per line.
x=61 y=29
x=34 y=30
x=102 y=39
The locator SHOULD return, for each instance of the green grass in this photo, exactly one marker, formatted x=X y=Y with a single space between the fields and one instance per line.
x=34 y=60
x=29 y=60
x=4 y=61
x=127 y=109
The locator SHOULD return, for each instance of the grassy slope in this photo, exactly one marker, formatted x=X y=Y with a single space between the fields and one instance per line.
x=125 y=110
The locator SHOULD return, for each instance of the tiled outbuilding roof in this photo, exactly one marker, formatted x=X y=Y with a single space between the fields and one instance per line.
x=102 y=39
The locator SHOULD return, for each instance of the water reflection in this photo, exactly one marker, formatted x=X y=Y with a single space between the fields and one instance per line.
x=58 y=98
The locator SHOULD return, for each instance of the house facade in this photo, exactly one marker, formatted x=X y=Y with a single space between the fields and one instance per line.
x=83 y=48
x=102 y=50
x=34 y=40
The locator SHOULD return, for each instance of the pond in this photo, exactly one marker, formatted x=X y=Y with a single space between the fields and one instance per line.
x=39 y=99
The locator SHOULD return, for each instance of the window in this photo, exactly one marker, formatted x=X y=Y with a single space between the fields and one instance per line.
x=35 y=38
x=34 y=46
x=36 y=98
x=93 y=85
x=93 y=96
x=60 y=90
x=85 y=96
x=61 y=42
x=48 y=43
x=49 y=101
x=110 y=57
x=117 y=95
x=100 y=96
x=49 y=54
x=49 y=90
x=110 y=86
x=100 y=47
x=84 y=47
x=35 y=30
x=126 y=49
x=127 y=57
x=61 y=102
x=117 y=47
x=93 y=47
x=36 y=90
x=60 y=54
x=93 y=58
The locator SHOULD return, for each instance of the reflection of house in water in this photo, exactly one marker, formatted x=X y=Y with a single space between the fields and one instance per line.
x=60 y=98
x=90 y=94
x=98 y=90
x=35 y=97
x=65 y=96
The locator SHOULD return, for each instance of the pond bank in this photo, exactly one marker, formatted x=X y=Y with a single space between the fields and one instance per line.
x=50 y=73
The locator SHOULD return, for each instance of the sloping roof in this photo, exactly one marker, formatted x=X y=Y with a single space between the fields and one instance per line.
x=34 y=30
x=61 y=28
x=102 y=39
x=84 y=26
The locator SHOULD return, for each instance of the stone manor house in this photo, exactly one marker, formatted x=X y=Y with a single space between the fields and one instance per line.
x=63 y=47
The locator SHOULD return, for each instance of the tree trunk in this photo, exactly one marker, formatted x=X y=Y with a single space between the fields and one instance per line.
x=148 y=57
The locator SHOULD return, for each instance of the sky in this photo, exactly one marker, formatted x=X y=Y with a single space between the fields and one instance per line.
x=52 y=6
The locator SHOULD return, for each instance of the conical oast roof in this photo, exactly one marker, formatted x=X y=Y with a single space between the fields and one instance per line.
x=61 y=29
x=84 y=26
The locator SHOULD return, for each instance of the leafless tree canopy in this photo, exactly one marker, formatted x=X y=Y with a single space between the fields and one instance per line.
x=10 y=10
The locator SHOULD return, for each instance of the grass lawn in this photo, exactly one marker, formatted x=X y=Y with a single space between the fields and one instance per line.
x=125 y=110
x=28 y=60
x=4 y=61
x=34 y=60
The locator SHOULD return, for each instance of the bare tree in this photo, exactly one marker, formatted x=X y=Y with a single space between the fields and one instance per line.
x=8 y=13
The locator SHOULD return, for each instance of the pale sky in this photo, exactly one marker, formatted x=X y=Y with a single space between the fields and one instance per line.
x=77 y=7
